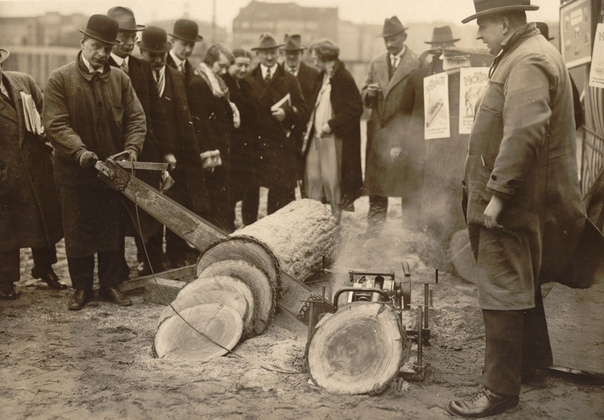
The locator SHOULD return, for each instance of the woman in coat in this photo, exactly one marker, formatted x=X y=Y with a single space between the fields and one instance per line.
x=215 y=117
x=332 y=143
x=245 y=154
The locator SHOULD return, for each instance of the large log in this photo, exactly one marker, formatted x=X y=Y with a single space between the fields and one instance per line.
x=358 y=350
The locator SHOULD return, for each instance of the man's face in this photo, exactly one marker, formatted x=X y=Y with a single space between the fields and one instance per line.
x=96 y=52
x=240 y=67
x=292 y=58
x=267 y=57
x=395 y=43
x=220 y=67
x=182 y=49
x=127 y=40
x=492 y=32
x=156 y=60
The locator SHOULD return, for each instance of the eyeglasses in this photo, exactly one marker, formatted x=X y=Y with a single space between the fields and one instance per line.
x=127 y=37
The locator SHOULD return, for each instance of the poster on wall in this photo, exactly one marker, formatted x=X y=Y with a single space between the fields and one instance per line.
x=596 y=74
x=436 y=107
x=575 y=32
x=472 y=83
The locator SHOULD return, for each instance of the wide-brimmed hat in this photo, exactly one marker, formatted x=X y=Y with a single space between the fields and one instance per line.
x=102 y=28
x=292 y=43
x=442 y=35
x=3 y=55
x=187 y=30
x=544 y=29
x=392 y=26
x=154 y=39
x=488 y=7
x=266 y=42
x=125 y=19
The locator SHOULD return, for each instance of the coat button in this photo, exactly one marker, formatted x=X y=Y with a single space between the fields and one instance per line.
x=463 y=183
x=494 y=177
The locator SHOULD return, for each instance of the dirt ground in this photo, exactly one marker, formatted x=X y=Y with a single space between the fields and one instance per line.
x=97 y=363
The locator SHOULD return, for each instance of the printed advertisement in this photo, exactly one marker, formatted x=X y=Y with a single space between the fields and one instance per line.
x=472 y=83
x=436 y=107
x=575 y=32
x=596 y=75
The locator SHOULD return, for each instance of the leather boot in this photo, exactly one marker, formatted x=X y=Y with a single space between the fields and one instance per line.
x=112 y=294
x=79 y=300
x=48 y=276
x=485 y=403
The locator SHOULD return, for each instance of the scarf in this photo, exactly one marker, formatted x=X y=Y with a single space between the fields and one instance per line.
x=219 y=89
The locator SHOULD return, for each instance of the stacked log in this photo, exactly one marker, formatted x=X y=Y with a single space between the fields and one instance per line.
x=244 y=273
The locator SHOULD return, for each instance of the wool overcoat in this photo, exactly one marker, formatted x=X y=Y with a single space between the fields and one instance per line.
x=30 y=213
x=278 y=149
x=388 y=127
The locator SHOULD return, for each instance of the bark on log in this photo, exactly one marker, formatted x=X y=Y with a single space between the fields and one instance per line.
x=175 y=338
x=358 y=350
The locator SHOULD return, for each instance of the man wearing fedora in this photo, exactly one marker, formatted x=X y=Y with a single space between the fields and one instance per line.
x=189 y=189
x=394 y=159
x=270 y=85
x=184 y=37
x=29 y=205
x=442 y=39
x=522 y=200
x=91 y=112
x=158 y=145
x=292 y=51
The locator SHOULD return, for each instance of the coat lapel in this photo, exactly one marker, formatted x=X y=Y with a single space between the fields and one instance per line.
x=13 y=88
x=405 y=67
x=381 y=70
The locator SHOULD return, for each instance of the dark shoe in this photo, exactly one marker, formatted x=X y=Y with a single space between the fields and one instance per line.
x=537 y=377
x=486 y=403
x=79 y=300
x=114 y=295
x=8 y=293
x=49 y=277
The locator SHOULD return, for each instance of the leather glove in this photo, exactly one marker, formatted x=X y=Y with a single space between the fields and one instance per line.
x=88 y=159
x=132 y=156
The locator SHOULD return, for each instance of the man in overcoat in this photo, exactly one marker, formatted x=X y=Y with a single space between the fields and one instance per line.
x=158 y=146
x=271 y=84
x=523 y=204
x=30 y=213
x=394 y=159
x=184 y=37
x=91 y=112
x=189 y=188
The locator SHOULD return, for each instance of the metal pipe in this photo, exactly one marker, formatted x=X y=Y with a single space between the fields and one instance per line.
x=420 y=338
x=426 y=304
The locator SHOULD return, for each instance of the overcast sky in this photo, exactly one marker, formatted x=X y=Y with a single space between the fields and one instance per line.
x=358 y=11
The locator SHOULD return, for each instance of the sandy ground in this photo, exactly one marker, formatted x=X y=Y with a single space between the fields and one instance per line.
x=97 y=363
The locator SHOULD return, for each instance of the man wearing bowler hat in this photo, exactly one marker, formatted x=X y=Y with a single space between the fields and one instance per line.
x=91 y=112
x=522 y=201
x=394 y=162
x=190 y=188
x=158 y=145
x=271 y=84
x=184 y=36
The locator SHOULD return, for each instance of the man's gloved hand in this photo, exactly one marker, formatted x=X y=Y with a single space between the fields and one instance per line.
x=170 y=160
x=131 y=155
x=88 y=159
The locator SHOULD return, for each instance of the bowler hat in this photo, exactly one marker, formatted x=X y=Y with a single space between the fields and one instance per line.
x=3 y=55
x=102 y=28
x=154 y=39
x=544 y=29
x=267 y=42
x=125 y=19
x=488 y=7
x=442 y=35
x=187 y=30
x=392 y=26
x=292 y=43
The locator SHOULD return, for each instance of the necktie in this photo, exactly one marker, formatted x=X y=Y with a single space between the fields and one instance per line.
x=394 y=63
x=156 y=77
x=267 y=77
x=181 y=67
x=124 y=67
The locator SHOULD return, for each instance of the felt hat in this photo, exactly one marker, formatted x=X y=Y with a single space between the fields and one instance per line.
x=292 y=43
x=3 y=55
x=488 y=7
x=266 y=42
x=155 y=40
x=442 y=35
x=187 y=30
x=392 y=26
x=102 y=28
x=544 y=29
x=125 y=19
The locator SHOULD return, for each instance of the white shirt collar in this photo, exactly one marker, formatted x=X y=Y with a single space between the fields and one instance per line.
x=400 y=53
x=265 y=69
x=119 y=60
x=177 y=60
x=89 y=66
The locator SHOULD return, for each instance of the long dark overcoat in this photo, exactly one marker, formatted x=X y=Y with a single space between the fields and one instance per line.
x=387 y=127
x=30 y=213
x=101 y=113
x=280 y=164
x=345 y=124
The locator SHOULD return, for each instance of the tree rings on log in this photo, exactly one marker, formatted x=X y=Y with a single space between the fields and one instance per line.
x=258 y=281
x=358 y=350
x=220 y=327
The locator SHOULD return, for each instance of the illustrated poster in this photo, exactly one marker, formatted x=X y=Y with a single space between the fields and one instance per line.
x=596 y=75
x=436 y=107
x=472 y=83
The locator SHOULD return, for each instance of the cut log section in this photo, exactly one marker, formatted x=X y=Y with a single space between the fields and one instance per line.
x=219 y=324
x=358 y=350
x=258 y=281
